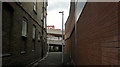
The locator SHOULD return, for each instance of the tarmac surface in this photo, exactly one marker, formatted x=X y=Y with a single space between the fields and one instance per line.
x=54 y=59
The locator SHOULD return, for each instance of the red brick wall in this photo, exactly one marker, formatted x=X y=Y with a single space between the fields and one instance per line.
x=119 y=31
x=94 y=40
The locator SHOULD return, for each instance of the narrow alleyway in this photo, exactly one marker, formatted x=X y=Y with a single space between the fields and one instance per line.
x=53 y=59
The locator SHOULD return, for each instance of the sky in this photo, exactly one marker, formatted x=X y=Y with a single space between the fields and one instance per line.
x=54 y=17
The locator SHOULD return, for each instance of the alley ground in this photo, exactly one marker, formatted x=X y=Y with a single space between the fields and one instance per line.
x=54 y=59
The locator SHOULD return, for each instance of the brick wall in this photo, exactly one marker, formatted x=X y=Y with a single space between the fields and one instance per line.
x=96 y=35
x=15 y=43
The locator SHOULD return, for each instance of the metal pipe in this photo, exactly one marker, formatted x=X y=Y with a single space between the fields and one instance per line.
x=62 y=34
x=1 y=32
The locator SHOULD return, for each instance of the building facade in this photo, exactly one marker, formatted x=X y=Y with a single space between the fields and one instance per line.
x=54 y=39
x=92 y=33
x=23 y=32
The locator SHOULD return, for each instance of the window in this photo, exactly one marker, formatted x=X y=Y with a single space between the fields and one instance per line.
x=34 y=5
x=19 y=1
x=24 y=28
x=42 y=16
x=44 y=22
x=34 y=32
x=34 y=36
x=23 y=52
x=39 y=36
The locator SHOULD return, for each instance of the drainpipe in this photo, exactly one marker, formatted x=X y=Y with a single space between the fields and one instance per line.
x=0 y=33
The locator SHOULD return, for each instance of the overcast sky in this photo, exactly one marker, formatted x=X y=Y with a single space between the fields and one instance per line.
x=54 y=17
